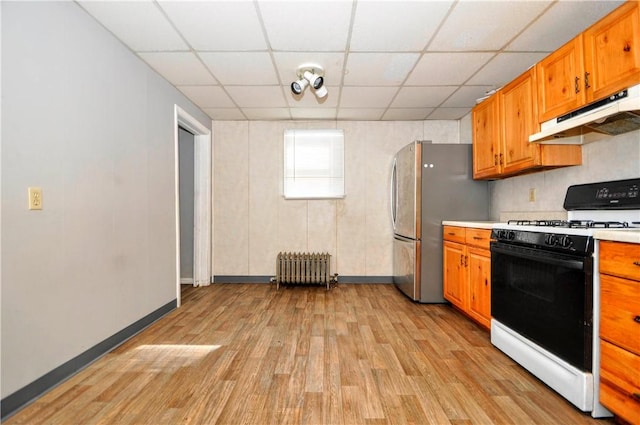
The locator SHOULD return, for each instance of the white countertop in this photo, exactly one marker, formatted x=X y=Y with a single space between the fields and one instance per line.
x=474 y=224
x=618 y=235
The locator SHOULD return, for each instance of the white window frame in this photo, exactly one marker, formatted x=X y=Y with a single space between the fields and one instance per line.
x=313 y=164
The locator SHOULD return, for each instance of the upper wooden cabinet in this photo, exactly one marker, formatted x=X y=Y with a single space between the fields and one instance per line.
x=559 y=81
x=501 y=128
x=612 y=52
x=486 y=139
x=597 y=63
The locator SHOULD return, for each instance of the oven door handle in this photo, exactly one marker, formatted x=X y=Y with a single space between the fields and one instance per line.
x=538 y=256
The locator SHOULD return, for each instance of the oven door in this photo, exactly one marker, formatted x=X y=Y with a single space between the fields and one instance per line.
x=546 y=297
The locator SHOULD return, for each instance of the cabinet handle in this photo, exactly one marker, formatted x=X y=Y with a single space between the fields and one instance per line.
x=451 y=233
x=636 y=319
x=577 y=84
x=586 y=81
x=627 y=47
x=466 y=257
x=478 y=238
x=636 y=263
x=500 y=159
x=462 y=260
x=495 y=159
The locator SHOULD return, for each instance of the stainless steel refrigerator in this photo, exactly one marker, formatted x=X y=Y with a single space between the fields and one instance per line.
x=430 y=183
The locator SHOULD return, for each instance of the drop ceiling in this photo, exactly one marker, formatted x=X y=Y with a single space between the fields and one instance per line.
x=383 y=60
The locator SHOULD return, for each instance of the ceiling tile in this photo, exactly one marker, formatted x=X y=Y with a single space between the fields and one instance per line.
x=363 y=97
x=403 y=114
x=395 y=26
x=504 y=67
x=378 y=69
x=466 y=96
x=241 y=68
x=306 y=26
x=382 y=59
x=141 y=25
x=420 y=97
x=179 y=67
x=217 y=25
x=287 y=64
x=436 y=69
x=267 y=113
x=485 y=25
x=448 y=113
x=221 y=114
x=257 y=96
x=575 y=16
x=313 y=113
x=207 y=96
x=360 y=114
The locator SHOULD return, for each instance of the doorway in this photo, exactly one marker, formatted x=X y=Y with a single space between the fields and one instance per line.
x=202 y=227
x=186 y=176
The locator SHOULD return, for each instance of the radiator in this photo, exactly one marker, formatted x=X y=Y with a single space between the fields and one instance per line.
x=304 y=268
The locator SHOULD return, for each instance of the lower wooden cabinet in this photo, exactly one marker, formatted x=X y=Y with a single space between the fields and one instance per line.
x=467 y=271
x=620 y=329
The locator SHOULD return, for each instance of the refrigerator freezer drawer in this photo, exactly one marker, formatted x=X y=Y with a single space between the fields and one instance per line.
x=406 y=266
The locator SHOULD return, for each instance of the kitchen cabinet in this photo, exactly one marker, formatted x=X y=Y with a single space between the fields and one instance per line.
x=487 y=151
x=620 y=329
x=467 y=271
x=601 y=61
x=501 y=128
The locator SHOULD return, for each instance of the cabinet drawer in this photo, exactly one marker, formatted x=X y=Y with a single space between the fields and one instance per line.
x=620 y=381
x=620 y=259
x=620 y=312
x=454 y=234
x=478 y=237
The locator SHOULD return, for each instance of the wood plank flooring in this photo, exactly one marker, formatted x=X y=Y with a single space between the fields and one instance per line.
x=358 y=354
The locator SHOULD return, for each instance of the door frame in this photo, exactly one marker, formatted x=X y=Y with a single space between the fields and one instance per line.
x=202 y=231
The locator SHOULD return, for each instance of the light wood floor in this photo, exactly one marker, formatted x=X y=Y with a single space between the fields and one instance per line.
x=359 y=354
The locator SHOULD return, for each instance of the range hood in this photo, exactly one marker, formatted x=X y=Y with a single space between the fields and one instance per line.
x=616 y=114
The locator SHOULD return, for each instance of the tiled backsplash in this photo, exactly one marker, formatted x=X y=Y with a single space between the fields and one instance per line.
x=611 y=158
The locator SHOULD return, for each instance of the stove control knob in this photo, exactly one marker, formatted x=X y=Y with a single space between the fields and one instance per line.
x=511 y=235
x=565 y=241
x=550 y=239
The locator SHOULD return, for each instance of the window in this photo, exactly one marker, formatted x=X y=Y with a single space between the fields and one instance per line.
x=313 y=164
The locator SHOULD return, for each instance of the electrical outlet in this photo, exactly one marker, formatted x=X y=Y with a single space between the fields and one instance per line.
x=35 y=198
x=532 y=195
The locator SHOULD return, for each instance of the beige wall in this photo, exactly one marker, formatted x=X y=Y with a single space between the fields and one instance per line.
x=252 y=221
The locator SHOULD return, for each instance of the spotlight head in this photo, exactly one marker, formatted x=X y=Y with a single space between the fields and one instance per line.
x=321 y=92
x=298 y=86
x=314 y=79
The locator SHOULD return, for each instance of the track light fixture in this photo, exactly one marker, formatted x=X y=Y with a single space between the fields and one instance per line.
x=298 y=87
x=310 y=74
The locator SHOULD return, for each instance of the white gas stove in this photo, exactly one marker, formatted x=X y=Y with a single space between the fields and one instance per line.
x=545 y=294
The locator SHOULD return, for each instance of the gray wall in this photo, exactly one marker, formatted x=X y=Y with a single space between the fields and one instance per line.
x=91 y=124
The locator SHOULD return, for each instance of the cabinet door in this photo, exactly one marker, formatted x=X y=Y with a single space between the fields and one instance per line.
x=453 y=276
x=612 y=52
x=560 y=81
x=486 y=146
x=479 y=267
x=518 y=111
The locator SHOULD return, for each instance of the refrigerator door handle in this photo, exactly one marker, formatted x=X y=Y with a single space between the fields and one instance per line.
x=394 y=193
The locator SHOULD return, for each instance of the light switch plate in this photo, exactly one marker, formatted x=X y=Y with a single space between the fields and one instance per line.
x=35 y=198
